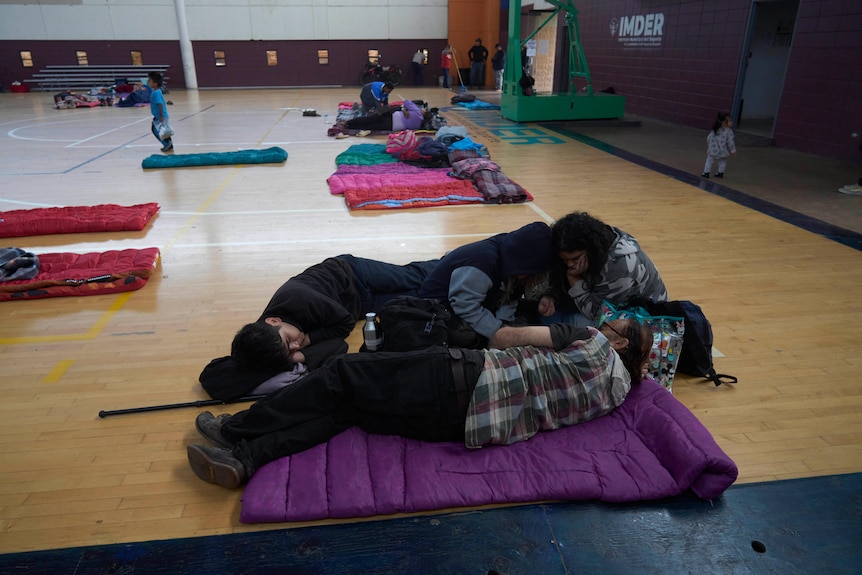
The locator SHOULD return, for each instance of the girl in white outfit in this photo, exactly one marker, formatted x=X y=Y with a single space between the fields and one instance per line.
x=719 y=145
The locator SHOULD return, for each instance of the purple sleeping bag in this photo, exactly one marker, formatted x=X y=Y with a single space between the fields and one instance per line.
x=649 y=448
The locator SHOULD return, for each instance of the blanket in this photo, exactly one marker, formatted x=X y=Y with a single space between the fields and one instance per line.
x=399 y=185
x=70 y=274
x=274 y=155
x=364 y=154
x=651 y=447
x=76 y=219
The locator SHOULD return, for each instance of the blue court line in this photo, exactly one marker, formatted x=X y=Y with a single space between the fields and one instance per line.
x=835 y=233
x=793 y=527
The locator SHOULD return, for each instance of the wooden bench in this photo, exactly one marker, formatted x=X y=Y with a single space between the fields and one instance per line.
x=56 y=78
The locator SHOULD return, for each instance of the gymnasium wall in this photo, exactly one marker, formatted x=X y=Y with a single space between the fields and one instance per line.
x=686 y=71
x=243 y=29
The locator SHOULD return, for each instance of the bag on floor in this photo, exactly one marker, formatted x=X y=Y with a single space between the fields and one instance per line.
x=696 y=356
x=400 y=142
x=667 y=338
x=164 y=129
x=17 y=264
x=412 y=323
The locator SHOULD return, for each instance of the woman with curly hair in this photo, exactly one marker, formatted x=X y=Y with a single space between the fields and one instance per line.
x=595 y=262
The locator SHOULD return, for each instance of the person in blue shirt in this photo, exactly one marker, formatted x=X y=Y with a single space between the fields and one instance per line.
x=375 y=96
x=159 y=109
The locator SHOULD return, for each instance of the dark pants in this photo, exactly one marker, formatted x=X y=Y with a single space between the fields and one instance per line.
x=378 y=282
x=477 y=74
x=445 y=77
x=381 y=121
x=417 y=74
x=156 y=134
x=411 y=394
x=369 y=102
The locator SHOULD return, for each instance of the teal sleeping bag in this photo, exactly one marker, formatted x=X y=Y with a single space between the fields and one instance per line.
x=274 y=155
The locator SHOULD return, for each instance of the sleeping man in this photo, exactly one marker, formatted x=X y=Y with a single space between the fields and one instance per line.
x=306 y=321
x=546 y=378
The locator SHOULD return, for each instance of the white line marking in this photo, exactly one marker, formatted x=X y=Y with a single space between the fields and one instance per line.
x=318 y=241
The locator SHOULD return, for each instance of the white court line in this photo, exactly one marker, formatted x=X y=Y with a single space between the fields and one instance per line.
x=258 y=212
x=11 y=133
x=4 y=200
x=107 y=132
x=326 y=240
x=541 y=212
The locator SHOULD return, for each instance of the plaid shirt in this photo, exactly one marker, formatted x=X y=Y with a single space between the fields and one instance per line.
x=524 y=390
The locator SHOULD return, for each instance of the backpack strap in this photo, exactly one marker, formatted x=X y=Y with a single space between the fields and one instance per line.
x=719 y=378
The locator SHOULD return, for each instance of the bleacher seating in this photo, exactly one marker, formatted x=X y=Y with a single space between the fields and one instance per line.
x=54 y=78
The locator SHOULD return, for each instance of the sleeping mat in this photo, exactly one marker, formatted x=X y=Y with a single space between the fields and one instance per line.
x=76 y=219
x=651 y=447
x=274 y=155
x=70 y=274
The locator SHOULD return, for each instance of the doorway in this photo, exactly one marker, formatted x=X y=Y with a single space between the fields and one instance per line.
x=766 y=51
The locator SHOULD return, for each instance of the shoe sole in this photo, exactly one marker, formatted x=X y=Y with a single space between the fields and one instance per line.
x=211 y=471
x=220 y=441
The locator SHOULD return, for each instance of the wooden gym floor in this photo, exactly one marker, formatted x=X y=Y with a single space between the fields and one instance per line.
x=784 y=302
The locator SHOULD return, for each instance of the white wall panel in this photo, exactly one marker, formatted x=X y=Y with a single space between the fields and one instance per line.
x=356 y=23
x=65 y=22
x=278 y=23
x=22 y=22
x=145 y=22
x=218 y=23
x=225 y=19
x=418 y=22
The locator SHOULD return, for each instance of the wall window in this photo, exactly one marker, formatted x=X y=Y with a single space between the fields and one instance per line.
x=137 y=58
x=374 y=56
x=219 y=58
x=272 y=57
x=323 y=57
x=81 y=55
x=26 y=58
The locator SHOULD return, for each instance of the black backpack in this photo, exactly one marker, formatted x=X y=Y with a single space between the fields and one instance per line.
x=411 y=323
x=696 y=355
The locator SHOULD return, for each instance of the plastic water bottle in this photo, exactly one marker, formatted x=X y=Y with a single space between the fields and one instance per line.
x=371 y=332
x=326 y=119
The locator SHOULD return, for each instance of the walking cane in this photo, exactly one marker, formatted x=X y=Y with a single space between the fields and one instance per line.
x=200 y=403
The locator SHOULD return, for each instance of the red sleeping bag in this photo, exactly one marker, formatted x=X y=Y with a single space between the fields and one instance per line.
x=76 y=219
x=69 y=274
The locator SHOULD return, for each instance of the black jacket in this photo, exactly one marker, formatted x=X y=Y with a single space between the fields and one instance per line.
x=322 y=301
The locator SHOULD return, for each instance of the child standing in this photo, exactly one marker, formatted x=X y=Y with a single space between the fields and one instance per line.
x=159 y=109
x=719 y=144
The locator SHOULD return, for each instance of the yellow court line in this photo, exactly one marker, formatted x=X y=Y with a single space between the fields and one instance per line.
x=55 y=374
x=91 y=333
x=106 y=317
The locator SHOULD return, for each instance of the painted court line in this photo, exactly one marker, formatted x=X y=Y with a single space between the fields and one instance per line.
x=59 y=370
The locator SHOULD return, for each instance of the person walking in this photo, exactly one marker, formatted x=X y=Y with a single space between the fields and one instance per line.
x=158 y=107
x=719 y=145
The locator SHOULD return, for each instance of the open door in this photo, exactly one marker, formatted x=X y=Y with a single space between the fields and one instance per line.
x=762 y=70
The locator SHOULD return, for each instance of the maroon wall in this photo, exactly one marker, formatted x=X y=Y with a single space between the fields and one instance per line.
x=246 y=60
x=694 y=72
x=822 y=99
x=298 y=65
x=686 y=80
x=62 y=52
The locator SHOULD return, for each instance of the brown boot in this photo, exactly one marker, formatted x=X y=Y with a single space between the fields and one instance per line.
x=209 y=426
x=217 y=465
